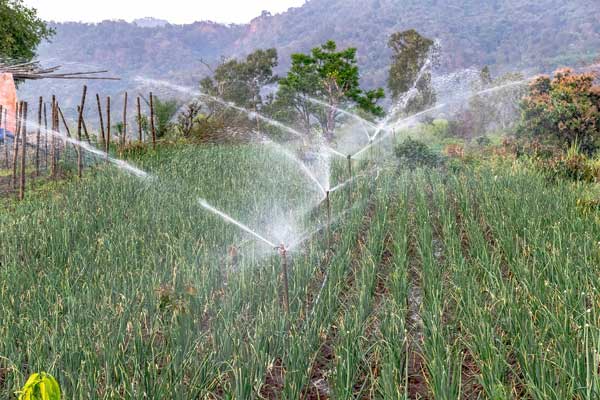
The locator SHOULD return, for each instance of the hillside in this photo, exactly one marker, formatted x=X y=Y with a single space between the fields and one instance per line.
x=506 y=34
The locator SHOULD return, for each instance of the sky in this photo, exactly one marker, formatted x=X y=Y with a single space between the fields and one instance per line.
x=175 y=11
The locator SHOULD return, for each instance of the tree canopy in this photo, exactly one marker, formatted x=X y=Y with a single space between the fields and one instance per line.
x=413 y=55
x=21 y=31
x=565 y=108
x=329 y=76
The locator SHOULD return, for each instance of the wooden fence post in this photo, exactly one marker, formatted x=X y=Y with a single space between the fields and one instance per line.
x=37 y=138
x=107 y=125
x=24 y=149
x=102 y=140
x=16 y=144
x=152 y=120
x=45 y=137
x=139 y=119
x=79 y=126
x=124 y=122
x=52 y=141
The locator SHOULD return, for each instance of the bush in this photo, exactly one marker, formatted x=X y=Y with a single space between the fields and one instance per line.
x=417 y=154
x=565 y=109
x=573 y=165
x=483 y=141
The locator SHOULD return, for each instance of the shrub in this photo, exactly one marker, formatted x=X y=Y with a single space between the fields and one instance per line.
x=565 y=109
x=483 y=141
x=573 y=165
x=416 y=154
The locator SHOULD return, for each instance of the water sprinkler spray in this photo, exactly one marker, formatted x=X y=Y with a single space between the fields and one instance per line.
x=284 y=272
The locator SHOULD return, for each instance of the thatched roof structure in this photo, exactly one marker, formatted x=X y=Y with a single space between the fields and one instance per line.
x=33 y=71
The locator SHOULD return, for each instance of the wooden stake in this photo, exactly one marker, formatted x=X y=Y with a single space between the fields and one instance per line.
x=139 y=119
x=152 y=127
x=64 y=121
x=328 y=201
x=37 y=138
x=124 y=121
x=52 y=141
x=107 y=125
x=102 y=143
x=45 y=137
x=85 y=130
x=24 y=148
x=284 y=273
x=16 y=144
x=79 y=126
x=57 y=132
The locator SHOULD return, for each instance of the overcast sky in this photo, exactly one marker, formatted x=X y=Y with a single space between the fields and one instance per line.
x=175 y=11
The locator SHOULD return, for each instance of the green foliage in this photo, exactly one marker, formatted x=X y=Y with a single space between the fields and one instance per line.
x=410 y=53
x=564 y=109
x=40 y=386
x=21 y=30
x=328 y=75
x=573 y=166
x=164 y=111
x=415 y=153
x=241 y=81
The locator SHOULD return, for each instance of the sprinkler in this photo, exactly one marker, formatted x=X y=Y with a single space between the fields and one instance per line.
x=350 y=177
x=328 y=203
x=284 y=272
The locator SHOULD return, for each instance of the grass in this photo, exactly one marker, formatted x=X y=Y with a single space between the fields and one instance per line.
x=479 y=284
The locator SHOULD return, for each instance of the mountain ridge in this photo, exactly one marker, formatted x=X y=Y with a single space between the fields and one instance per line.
x=551 y=33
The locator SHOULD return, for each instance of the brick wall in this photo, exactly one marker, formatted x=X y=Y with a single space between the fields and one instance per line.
x=8 y=100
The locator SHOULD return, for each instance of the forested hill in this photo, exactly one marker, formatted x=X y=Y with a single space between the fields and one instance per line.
x=506 y=34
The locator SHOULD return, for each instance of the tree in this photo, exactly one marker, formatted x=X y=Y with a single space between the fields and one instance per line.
x=21 y=31
x=189 y=118
x=242 y=82
x=327 y=75
x=565 y=108
x=413 y=57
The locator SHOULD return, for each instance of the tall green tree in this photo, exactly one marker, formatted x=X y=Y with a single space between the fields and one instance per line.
x=242 y=81
x=21 y=31
x=327 y=75
x=413 y=57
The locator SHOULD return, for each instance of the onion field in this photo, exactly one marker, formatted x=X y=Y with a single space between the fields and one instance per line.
x=431 y=284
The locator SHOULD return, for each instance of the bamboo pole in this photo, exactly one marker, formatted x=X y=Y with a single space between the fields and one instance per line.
x=79 y=127
x=23 y=149
x=152 y=127
x=123 y=138
x=37 y=138
x=107 y=125
x=139 y=119
x=102 y=139
x=16 y=145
